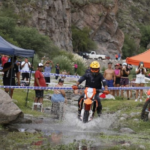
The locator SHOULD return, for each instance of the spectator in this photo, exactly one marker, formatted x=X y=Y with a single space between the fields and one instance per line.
x=4 y=59
x=124 y=81
x=140 y=80
x=18 y=63
x=109 y=75
x=25 y=65
x=57 y=70
x=0 y=60
x=75 y=67
x=39 y=81
x=64 y=73
x=116 y=56
x=117 y=77
x=47 y=71
x=42 y=60
x=119 y=56
x=59 y=95
x=7 y=75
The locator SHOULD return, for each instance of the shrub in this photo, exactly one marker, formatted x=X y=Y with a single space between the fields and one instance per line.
x=81 y=40
x=129 y=47
x=81 y=64
x=64 y=63
x=145 y=32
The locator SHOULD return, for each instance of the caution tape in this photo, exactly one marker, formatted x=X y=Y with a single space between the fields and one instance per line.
x=70 y=88
x=47 y=74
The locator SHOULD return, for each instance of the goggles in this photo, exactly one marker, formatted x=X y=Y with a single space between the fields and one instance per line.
x=95 y=70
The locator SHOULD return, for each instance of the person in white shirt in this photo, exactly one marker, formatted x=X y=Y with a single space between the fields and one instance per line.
x=140 y=80
x=25 y=65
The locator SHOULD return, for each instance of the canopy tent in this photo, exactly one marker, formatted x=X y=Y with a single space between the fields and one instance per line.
x=7 y=48
x=144 y=57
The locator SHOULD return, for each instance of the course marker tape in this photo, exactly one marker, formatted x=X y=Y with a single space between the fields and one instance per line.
x=69 y=88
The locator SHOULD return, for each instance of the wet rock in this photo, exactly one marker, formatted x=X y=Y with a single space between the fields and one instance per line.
x=142 y=147
x=125 y=116
x=9 y=111
x=126 y=144
x=133 y=114
x=31 y=131
x=48 y=108
x=136 y=120
x=22 y=120
x=126 y=130
x=122 y=118
x=13 y=128
x=21 y=130
x=45 y=99
x=47 y=96
x=75 y=98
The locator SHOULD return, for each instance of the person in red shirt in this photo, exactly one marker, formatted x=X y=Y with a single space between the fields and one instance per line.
x=39 y=81
x=4 y=60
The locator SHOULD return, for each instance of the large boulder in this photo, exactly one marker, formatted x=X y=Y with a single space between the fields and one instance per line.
x=9 y=111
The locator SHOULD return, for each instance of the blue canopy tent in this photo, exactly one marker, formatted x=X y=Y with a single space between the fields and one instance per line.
x=7 y=48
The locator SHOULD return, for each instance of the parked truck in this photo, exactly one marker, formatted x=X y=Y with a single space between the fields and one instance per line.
x=93 y=55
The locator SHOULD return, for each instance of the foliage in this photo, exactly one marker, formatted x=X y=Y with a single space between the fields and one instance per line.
x=64 y=63
x=30 y=38
x=145 y=32
x=129 y=47
x=81 y=40
x=67 y=63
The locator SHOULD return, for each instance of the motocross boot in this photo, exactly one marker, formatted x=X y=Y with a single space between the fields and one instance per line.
x=79 y=113
x=99 y=113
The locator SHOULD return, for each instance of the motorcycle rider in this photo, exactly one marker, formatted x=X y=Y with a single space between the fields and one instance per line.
x=94 y=79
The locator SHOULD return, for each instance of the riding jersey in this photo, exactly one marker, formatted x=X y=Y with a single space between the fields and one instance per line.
x=93 y=81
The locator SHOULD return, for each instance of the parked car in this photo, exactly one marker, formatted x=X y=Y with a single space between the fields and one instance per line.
x=93 y=55
x=107 y=57
x=84 y=54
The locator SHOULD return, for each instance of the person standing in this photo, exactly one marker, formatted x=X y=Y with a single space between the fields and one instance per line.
x=57 y=70
x=25 y=65
x=140 y=80
x=116 y=56
x=7 y=75
x=109 y=75
x=124 y=81
x=47 y=71
x=119 y=56
x=39 y=81
x=75 y=67
x=117 y=76
x=4 y=59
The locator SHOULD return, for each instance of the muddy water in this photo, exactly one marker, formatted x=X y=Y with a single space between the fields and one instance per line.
x=71 y=129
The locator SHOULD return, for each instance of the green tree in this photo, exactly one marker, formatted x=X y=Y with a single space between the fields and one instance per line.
x=129 y=47
x=81 y=40
x=30 y=38
x=145 y=32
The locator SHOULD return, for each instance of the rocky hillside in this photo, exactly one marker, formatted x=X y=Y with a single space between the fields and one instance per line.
x=109 y=20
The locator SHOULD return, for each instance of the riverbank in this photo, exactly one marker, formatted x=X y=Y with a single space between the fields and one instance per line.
x=119 y=127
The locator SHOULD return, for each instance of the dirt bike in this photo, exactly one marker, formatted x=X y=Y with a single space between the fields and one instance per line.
x=89 y=104
x=145 y=114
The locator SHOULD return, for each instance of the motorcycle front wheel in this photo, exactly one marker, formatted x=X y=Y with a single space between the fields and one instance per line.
x=85 y=116
x=145 y=110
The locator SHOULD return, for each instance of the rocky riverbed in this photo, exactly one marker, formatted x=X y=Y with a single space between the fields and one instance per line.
x=119 y=127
